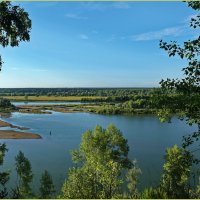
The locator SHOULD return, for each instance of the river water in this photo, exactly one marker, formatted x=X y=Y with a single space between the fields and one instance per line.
x=31 y=103
x=147 y=139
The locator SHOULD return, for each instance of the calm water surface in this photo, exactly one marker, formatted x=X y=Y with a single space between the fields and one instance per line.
x=147 y=139
x=30 y=103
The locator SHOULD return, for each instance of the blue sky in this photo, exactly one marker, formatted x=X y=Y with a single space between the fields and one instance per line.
x=97 y=44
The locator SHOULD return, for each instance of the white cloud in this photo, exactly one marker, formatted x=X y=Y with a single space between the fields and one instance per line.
x=121 y=5
x=99 y=6
x=156 y=35
x=83 y=37
x=94 y=6
x=45 y=4
x=74 y=16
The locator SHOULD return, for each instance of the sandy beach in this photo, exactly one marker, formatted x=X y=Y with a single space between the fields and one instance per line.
x=6 y=124
x=11 y=134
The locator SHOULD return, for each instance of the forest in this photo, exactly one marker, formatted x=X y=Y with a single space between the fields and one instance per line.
x=101 y=92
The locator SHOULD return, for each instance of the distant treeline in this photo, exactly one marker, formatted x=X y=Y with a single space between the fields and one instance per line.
x=104 y=92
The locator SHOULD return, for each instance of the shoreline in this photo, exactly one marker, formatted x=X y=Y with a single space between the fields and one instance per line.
x=6 y=124
x=12 y=134
x=54 y=98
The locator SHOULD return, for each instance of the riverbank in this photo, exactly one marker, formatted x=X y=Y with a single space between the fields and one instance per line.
x=98 y=108
x=6 y=124
x=53 y=98
x=46 y=109
x=12 y=134
x=108 y=106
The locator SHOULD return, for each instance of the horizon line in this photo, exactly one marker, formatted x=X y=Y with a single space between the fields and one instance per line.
x=73 y=87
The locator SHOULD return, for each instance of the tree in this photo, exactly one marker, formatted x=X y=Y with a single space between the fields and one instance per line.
x=47 y=189
x=182 y=96
x=26 y=98
x=5 y=103
x=174 y=183
x=177 y=167
x=195 y=194
x=198 y=189
x=99 y=165
x=15 y=25
x=153 y=193
x=4 y=176
x=132 y=180
x=24 y=171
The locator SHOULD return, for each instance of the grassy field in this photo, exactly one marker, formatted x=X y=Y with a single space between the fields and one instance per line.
x=51 y=98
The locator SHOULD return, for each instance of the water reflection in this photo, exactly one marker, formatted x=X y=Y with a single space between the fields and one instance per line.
x=46 y=103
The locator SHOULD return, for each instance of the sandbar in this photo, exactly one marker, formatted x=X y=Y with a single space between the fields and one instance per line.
x=10 y=134
x=6 y=124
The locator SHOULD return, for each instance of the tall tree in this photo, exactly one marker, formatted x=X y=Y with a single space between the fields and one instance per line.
x=177 y=167
x=100 y=162
x=132 y=181
x=15 y=25
x=198 y=190
x=182 y=96
x=47 y=189
x=24 y=171
x=4 y=176
x=174 y=183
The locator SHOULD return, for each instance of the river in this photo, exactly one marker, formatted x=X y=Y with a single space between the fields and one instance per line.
x=147 y=139
x=31 y=103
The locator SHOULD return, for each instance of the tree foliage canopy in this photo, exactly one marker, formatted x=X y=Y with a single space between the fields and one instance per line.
x=24 y=171
x=46 y=186
x=15 y=25
x=176 y=173
x=182 y=96
x=4 y=176
x=100 y=162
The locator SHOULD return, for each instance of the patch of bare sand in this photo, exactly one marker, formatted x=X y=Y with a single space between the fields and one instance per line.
x=10 y=134
x=6 y=124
